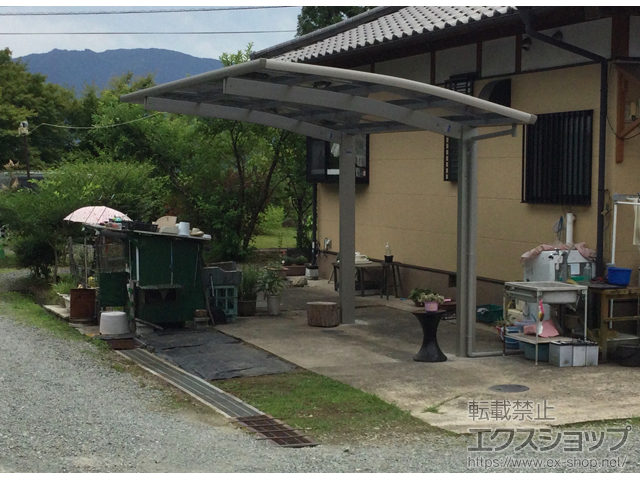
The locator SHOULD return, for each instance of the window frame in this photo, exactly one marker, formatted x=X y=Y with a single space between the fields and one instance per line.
x=328 y=164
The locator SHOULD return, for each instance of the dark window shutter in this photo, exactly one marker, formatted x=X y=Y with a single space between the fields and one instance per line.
x=557 y=159
x=462 y=84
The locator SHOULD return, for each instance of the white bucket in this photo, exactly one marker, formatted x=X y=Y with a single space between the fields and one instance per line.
x=184 y=228
x=114 y=323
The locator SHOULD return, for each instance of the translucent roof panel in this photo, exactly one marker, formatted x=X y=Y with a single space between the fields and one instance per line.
x=324 y=102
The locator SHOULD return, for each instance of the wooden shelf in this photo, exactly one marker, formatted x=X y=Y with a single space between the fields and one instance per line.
x=523 y=337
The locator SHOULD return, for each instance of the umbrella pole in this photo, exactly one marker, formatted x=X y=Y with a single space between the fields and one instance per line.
x=86 y=268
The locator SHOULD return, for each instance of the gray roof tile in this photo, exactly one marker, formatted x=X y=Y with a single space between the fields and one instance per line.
x=404 y=22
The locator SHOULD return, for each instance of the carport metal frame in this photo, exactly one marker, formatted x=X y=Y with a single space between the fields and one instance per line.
x=333 y=105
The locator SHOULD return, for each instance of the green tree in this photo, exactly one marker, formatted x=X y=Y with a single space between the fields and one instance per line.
x=226 y=173
x=26 y=96
x=315 y=18
x=35 y=216
x=298 y=192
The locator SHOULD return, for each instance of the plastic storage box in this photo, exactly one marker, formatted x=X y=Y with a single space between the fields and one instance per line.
x=488 y=313
x=573 y=354
x=561 y=354
x=618 y=276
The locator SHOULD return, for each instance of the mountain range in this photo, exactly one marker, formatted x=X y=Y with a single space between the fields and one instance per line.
x=74 y=68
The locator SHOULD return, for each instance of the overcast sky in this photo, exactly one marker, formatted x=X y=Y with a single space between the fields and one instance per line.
x=204 y=46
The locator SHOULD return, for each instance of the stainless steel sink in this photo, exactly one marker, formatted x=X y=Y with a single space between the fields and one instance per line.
x=550 y=292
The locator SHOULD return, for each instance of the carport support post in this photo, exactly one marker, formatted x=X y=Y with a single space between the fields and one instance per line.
x=347 y=269
x=467 y=232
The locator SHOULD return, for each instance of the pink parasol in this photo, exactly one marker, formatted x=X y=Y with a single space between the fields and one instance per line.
x=94 y=215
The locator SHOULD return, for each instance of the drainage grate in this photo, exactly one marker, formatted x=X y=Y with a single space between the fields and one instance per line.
x=269 y=428
x=203 y=391
x=509 y=388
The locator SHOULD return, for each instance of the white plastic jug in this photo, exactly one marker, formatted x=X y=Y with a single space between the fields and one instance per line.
x=184 y=228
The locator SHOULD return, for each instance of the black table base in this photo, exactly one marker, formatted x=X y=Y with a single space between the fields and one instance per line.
x=430 y=350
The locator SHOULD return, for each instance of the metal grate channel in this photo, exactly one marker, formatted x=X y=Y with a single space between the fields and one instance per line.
x=203 y=391
x=269 y=428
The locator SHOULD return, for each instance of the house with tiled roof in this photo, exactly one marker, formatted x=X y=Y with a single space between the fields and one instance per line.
x=576 y=68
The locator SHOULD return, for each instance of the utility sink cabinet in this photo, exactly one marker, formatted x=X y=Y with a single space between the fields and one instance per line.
x=551 y=293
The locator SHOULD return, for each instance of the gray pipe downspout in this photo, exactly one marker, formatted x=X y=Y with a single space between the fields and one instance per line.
x=314 y=224
x=604 y=89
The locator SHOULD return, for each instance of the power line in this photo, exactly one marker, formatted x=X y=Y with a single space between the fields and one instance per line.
x=147 y=33
x=125 y=12
x=96 y=127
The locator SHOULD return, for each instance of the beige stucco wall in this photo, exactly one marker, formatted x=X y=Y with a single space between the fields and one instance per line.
x=409 y=205
x=623 y=178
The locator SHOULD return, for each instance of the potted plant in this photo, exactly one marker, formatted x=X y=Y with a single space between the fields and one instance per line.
x=271 y=283
x=311 y=271
x=431 y=301
x=415 y=296
x=248 y=291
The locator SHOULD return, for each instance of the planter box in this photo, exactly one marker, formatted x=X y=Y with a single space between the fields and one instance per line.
x=295 y=270
x=246 y=308
x=65 y=300
x=83 y=304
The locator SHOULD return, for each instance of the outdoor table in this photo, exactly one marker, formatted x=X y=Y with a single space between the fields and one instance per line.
x=430 y=350
x=362 y=271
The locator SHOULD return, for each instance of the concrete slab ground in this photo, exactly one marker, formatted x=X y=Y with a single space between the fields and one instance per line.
x=376 y=355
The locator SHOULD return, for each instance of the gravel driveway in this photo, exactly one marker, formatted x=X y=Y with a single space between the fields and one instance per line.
x=63 y=409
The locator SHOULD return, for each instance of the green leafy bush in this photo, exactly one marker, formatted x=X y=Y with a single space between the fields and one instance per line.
x=34 y=254
x=65 y=284
x=249 y=286
x=271 y=282
x=271 y=220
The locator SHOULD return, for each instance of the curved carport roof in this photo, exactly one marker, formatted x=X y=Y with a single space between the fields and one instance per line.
x=334 y=104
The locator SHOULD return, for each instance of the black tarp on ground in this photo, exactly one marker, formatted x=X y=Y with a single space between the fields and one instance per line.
x=212 y=355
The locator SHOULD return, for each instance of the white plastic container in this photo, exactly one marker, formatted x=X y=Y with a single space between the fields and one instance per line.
x=579 y=355
x=184 y=228
x=561 y=354
x=592 y=356
x=114 y=323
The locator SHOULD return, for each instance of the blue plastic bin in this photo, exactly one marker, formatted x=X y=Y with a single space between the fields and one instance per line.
x=618 y=276
x=529 y=350
x=512 y=342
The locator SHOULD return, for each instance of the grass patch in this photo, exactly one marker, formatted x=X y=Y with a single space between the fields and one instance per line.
x=435 y=408
x=284 y=237
x=22 y=309
x=619 y=422
x=8 y=263
x=324 y=408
